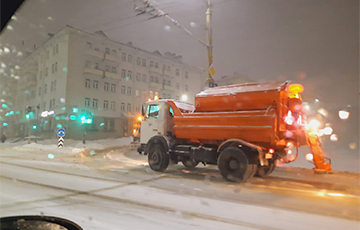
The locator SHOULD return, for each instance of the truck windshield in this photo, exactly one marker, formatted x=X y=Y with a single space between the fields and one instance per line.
x=152 y=111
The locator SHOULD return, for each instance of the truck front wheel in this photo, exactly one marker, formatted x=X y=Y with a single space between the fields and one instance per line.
x=234 y=165
x=158 y=159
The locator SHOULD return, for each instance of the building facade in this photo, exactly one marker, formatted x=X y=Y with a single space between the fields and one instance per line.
x=94 y=87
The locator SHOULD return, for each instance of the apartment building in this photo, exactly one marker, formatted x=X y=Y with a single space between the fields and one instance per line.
x=76 y=73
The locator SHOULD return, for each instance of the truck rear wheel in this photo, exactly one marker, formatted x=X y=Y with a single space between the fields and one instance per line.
x=264 y=171
x=190 y=163
x=234 y=165
x=158 y=159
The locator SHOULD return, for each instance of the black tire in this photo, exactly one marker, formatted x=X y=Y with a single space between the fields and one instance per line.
x=234 y=165
x=158 y=159
x=190 y=163
x=264 y=171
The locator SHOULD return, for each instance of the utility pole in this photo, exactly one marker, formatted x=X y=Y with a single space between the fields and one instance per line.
x=156 y=12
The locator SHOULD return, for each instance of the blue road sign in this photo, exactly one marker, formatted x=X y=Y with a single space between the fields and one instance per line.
x=61 y=132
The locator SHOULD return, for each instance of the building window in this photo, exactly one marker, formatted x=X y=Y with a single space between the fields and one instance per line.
x=177 y=72
x=151 y=63
x=95 y=103
x=106 y=104
x=156 y=80
x=156 y=65
x=112 y=105
x=137 y=109
x=128 y=107
x=144 y=62
x=138 y=61
x=129 y=75
x=122 y=107
x=96 y=85
x=123 y=89
x=143 y=78
x=114 y=53
x=107 y=68
x=113 y=70
x=168 y=68
x=54 y=85
x=123 y=73
x=46 y=71
x=55 y=66
x=54 y=49
x=113 y=88
x=88 y=64
x=186 y=88
x=186 y=75
x=123 y=56
x=109 y=124
x=106 y=86
x=129 y=91
x=107 y=50
x=39 y=91
x=168 y=83
x=57 y=48
x=45 y=89
x=129 y=58
x=138 y=76
x=96 y=65
x=151 y=79
x=51 y=105
x=164 y=82
x=87 y=102
x=87 y=83
x=137 y=93
x=52 y=68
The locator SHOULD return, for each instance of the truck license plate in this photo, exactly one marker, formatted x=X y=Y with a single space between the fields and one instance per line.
x=268 y=156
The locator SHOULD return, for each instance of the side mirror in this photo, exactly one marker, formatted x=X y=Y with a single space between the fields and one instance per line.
x=37 y=222
x=143 y=111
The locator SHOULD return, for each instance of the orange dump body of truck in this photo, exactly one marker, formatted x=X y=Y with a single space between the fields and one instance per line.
x=267 y=114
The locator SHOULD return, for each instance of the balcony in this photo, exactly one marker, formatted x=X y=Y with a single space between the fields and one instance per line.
x=155 y=70
x=95 y=53
x=113 y=75
x=94 y=71
x=169 y=87
x=154 y=85
x=109 y=57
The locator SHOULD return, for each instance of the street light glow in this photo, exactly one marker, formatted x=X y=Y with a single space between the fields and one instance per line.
x=184 y=97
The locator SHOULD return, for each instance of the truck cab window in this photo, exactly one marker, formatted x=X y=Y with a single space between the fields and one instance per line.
x=152 y=111
x=171 y=112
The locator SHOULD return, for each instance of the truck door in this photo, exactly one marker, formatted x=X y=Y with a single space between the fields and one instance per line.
x=149 y=126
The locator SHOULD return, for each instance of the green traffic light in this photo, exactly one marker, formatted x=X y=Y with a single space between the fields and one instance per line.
x=75 y=110
x=27 y=116
x=34 y=127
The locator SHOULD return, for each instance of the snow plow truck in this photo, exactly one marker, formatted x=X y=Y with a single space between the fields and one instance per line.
x=243 y=129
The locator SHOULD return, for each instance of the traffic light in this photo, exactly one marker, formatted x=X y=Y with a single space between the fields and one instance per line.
x=86 y=118
x=34 y=127
x=29 y=113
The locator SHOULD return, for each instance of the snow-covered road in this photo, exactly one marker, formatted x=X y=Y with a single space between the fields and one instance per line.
x=115 y=189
